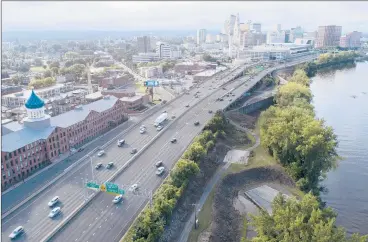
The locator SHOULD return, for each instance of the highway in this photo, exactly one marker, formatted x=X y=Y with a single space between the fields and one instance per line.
x=33 y=215
x=101 y=219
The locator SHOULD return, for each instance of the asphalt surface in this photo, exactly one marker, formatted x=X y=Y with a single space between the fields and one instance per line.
x=102 y=220
x=33 y=215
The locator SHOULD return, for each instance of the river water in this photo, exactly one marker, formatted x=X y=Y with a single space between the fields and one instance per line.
x=341 y=99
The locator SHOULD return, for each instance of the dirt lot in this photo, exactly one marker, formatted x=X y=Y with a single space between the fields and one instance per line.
x=195 y=189
x=225 y=217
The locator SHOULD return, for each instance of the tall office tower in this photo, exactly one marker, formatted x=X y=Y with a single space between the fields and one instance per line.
x=144 y=45
x=163 y=50
x=328 y=36
x=201 y=36
x=256 y=27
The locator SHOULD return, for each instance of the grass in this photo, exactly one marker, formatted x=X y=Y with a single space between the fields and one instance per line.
x=204 y=218
x=37 y=69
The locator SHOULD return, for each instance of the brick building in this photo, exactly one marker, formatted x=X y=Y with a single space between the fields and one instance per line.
x=40 y=139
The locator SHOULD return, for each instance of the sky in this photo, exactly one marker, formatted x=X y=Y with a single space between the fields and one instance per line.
x=192 y=15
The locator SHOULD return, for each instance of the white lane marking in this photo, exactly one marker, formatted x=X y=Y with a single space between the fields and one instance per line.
x=99 y=227
x=76 y=239
x=93 y=234
x=89 y=225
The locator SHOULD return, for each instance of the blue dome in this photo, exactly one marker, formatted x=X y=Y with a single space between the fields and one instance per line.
x=34 y=102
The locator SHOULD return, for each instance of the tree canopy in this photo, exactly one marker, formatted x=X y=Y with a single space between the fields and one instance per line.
x=295 y=94
x=302 y=221
x=300 y=77
x=39 y=83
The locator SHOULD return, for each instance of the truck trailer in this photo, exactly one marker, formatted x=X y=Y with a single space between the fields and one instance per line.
x=160 y=119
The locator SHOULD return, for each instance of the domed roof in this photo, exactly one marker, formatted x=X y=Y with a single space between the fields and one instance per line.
x=34 y=102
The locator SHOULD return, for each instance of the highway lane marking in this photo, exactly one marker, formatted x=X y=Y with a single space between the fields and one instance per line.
x=89 y=225
x=93 y=234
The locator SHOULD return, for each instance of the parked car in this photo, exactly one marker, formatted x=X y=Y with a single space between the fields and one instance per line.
x=16 y=232
x=100 y=153
x=118 y=199
x=158 y=163
x=98 y=166
x=134 y=150
x=160 y=171
x=110 y=165
x=53 y=201
x=54 y=212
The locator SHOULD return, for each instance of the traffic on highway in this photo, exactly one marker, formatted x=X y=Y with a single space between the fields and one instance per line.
x=138 y=162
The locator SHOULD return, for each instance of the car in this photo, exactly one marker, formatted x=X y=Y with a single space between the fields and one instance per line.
x=100 y=153
x=209 y=111
x=133 y=151
x=110 y=165
x=53 y=201
x=173 y=140
x=54 y=212
x=142 y=131
x=98 y=166
x=230 y=100
x=221 y=99
x=80 y=149
x=172 y=117
x=121 y=142
x=117 y=199
x=160 y=171
x=158 y=163
x=187 y=106
x=159 y=128
x=16 y=232
x=196 y=123
x=133 y=188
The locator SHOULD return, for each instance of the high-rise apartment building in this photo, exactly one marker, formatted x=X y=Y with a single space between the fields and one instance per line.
x=201 y=36
x=351 y=40
x=328 y=36
x=163 y=50
x=143 y=44
x=256 y=27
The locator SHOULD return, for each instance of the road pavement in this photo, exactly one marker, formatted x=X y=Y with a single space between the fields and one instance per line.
x=33 y=215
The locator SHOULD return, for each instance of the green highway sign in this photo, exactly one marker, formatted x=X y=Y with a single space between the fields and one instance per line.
x=121 y=191
x=111 y=187
x=93 y=185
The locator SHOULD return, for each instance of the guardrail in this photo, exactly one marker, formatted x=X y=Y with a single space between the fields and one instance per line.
x=146 y=114
x=75 y=212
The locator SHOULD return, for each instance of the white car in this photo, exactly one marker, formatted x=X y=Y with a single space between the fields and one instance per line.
x=142 y=131
x=160 y=171
x=133 y=188
x=159 y=128
x=98 y=166
x=53 y=201
x=101 y=153
x=54 y=212
x=121 y=142
x=117 y=199
x=18 y=231
x=158 y=163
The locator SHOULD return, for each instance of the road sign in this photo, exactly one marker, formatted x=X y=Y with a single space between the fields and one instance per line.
x=151 y=83
x=93 y=185
x=111 y=187
x=121 y=191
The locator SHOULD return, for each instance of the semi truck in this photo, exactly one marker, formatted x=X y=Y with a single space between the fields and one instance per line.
x=160 y=119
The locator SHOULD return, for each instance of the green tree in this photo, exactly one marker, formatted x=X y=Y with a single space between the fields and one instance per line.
x=195 y=152
x=149 y=226
x=217 y=123
x=293 y=93
x=303 y=221
x=47 y=73
x=182 y=171
x=300 y=77
x=54 y=64
x=55 y=71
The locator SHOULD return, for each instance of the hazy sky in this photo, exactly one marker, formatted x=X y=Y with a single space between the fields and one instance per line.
x=126 y=16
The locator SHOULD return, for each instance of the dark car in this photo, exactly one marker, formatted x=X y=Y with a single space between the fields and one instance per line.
x=209 y=111
x=173 y=140
x=133 y=151
x=80 y=149
x=196 y=123
x=187 y=106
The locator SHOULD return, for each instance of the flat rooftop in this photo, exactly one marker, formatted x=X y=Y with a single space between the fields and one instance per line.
x=27 y=93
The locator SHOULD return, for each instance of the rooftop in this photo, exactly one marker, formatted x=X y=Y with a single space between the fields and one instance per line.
x=27 y=93
x=95 y=95
x=131 y=99
x=23 y=137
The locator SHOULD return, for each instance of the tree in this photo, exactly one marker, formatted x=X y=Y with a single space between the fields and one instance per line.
x=54 y=64
x=47 y=73
x=218 y=122
x=182 y=171
x=16 y=79
x=39 y=83
x=300 y=77
x=38 y=62
x=293 y=93
x=55 y=71
x=149 y=226
x=303 y=221
x=195 y=152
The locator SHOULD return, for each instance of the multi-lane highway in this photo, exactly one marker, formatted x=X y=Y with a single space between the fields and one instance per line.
x=101 y=219
x=107 y=221
x=33 y=215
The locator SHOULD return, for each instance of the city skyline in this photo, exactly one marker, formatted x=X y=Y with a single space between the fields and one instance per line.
x=142 y=16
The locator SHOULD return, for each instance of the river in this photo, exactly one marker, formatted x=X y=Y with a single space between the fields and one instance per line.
x=341 y=99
